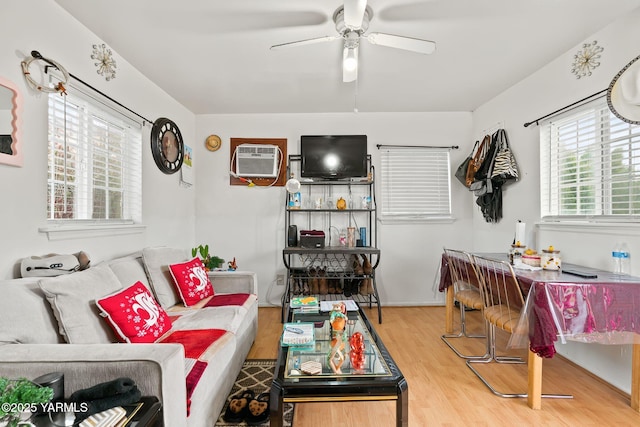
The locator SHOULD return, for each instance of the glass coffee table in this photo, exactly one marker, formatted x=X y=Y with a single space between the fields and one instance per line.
x=378 y=379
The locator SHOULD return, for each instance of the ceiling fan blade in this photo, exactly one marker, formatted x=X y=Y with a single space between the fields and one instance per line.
x=401 y=42
x=304 y=42
x=349 y=73
x=354 y=13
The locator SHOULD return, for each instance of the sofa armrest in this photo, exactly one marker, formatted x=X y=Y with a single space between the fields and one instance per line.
x=157 y=369
x=231 y=282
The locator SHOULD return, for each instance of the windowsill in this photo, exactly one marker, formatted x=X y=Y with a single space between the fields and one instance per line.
x=626 y=228
x=76 y=231
x=416 y=220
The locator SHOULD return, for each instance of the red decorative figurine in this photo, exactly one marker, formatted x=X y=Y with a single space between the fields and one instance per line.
x=357 y=352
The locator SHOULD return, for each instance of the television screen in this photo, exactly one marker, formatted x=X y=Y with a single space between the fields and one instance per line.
x=333 y=156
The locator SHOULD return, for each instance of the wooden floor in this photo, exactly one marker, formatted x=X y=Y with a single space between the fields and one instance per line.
x=444 y=392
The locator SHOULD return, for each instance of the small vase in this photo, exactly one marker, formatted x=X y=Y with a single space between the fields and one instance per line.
x=351 y=237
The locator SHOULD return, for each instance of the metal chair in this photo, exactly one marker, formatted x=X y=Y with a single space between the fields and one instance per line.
x=503 y=304
x=467 y=292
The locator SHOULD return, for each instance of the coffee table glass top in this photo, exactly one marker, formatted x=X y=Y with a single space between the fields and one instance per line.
x=374 y=366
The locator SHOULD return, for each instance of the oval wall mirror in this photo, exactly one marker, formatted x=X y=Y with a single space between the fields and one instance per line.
x=10 y=110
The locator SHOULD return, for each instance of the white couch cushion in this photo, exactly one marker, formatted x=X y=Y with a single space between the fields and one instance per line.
x=73 y=299
x=25 y=315
x=228 y=318
x=156 y=263
x=129 y=270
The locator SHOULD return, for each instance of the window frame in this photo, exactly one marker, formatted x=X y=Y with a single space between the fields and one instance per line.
x=607 y=138
x=95 y=109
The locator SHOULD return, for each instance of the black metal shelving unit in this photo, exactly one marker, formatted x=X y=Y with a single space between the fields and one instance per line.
x=334 y=263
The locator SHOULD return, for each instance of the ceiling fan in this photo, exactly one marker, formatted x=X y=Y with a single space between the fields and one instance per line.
x=352 y=21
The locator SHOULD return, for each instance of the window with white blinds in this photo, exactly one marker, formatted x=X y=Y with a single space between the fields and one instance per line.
x=590 y=165
x=415 y=183
x=95 y=162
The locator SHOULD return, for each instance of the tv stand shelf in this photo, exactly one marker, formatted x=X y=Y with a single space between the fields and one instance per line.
x=328 y=210
x=331 y=272
x=337 y=261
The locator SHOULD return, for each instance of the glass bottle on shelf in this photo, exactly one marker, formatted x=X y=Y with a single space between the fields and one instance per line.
x=351 y=237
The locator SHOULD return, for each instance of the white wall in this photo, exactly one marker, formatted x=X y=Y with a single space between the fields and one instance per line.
x=553 y=87
x=249 y=223
x=169 y=214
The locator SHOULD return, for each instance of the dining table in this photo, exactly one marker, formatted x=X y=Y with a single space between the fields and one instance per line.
x=576 y=303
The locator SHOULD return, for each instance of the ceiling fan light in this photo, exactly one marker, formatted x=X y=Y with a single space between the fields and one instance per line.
x=350 y=60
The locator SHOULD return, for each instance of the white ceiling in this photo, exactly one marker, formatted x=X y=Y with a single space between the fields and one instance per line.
x=213 y=56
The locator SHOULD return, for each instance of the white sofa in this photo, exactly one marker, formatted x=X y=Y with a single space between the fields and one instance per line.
x=78 y=342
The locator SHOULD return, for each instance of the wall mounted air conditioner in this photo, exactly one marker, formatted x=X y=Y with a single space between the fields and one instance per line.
x=257 y=160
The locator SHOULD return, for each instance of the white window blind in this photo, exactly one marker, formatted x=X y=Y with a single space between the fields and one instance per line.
x=415 y=183
x=95 y=162
x=590 y=165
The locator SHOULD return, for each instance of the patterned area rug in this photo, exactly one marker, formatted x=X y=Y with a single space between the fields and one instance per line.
x=256 y=375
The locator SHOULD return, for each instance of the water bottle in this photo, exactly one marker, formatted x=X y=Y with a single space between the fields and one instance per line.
x=621 y=259
x=625 y=259
x=616 y=258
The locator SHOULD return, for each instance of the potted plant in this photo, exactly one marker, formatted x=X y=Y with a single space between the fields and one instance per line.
x=210 y=262
x=20 y=396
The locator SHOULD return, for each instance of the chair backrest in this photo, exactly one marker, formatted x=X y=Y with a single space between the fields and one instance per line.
x=502 y=296
x=462 y=271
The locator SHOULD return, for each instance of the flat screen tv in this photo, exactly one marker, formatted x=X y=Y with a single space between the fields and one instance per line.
x=333 y=156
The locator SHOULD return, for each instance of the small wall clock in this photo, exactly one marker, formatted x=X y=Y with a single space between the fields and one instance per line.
x=167 y=145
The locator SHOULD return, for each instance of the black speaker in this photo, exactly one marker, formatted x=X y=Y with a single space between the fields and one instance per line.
x=292 y=236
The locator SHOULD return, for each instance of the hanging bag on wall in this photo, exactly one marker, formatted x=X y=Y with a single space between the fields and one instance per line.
x=505 y=168
x=484 y=169
x=482 y=183
x=477 y=160
x=482 y=187
x=461 y=172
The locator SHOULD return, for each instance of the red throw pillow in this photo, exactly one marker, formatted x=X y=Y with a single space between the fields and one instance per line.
x=135 y=315
x=192 y=281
